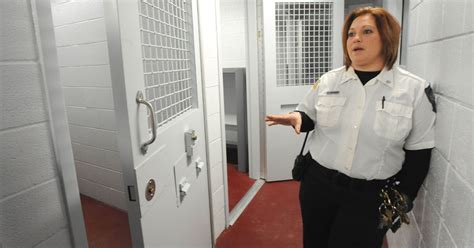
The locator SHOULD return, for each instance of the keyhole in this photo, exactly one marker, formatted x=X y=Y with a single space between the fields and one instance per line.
x=150 y=190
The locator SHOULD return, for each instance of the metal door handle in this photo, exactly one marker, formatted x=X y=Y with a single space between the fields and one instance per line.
x=141 y=100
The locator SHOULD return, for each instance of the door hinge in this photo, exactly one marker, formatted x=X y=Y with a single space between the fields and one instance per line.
x=131 y=193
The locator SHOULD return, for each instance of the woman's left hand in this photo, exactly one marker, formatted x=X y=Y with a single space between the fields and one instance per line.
x=290 y=119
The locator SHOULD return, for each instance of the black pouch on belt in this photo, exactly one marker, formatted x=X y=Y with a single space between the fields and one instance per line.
x=301 y=162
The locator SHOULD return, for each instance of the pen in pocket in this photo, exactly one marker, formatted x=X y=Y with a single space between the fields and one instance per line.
x=383 y=101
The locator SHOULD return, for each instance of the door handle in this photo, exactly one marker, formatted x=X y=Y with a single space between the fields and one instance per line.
x=140 y=99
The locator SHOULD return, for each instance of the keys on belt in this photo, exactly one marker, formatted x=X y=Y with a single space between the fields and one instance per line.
x=393 y=210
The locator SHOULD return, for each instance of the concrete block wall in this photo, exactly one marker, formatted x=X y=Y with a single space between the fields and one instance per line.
x=32 y=206
x=441 y=50
x=213 y=89
x=85 y=75
x=233 y=33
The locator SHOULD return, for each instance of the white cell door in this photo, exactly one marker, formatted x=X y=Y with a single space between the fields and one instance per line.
x=155 y=71
x=302 y=40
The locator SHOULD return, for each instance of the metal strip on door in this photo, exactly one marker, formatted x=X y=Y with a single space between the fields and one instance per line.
x=168 y=57
x=303 y=36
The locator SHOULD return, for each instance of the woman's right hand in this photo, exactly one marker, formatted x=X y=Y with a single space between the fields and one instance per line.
x=290 y=119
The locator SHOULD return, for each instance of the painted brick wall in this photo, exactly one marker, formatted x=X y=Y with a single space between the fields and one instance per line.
x=441 y=49
x=213 y=88
x=233 y=33
x=85 y=75
x=32 y=207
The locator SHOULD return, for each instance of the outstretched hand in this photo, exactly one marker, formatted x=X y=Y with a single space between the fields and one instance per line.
x=290 y=119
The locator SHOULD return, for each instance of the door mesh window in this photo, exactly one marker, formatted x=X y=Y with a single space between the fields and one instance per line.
x=303 y=35
x=168 y=57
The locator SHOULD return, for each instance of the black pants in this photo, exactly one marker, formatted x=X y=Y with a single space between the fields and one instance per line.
x=336 y=214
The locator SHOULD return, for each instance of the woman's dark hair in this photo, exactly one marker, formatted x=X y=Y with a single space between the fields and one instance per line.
x=388 y=28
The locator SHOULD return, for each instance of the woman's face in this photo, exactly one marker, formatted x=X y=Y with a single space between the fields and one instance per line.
x=364 y=44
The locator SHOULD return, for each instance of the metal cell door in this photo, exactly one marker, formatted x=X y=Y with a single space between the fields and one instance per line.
x=159 y=111
x=302 y=41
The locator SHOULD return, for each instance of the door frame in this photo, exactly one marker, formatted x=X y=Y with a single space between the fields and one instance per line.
x=255 y=123
x=58 y=124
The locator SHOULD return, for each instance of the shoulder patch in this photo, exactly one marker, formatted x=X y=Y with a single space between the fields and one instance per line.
x=315 y=85
x=429 y=93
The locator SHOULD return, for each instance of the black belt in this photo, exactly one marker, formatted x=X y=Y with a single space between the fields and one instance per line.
x=342 y=180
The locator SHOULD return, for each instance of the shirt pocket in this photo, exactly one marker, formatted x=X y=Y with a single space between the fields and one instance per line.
x=392 y=121
x=328 y=110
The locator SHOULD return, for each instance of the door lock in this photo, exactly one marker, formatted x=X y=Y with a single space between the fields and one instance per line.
x=190 y=139
x=183 y=188
x=199 y=165
x=150 y=190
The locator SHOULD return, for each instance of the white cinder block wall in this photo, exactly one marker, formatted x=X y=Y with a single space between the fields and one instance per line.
x=441 y=49
x=213 y=89
x=85 y=75
x=233 y=33
x=32 y=206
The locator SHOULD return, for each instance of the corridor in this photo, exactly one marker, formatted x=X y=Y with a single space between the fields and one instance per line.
x=116 y=118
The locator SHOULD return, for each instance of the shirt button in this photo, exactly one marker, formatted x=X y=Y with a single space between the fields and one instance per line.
x=355 y=126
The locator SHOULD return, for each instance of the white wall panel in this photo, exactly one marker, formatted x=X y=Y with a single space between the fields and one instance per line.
x=212 y=100
x=436 y=180
x=60 y=239
x=445 y=239
x=218 y=200
x=444 y=125
x=461 y=154
x=459 y=211
x=87 y=54
x=17 y=34
x=210 y=72
x=440 y=49
x=27 y=160
x=215 y=152
x=214 y=127
x=216 y=176
x=33 y=215
x=81 y=33
x=77 y=11
x=86 y=76
x=22 y=95
x=453 y=17
x=430 y=225
x=419 y=205
x=100 y=175
x=468 y=21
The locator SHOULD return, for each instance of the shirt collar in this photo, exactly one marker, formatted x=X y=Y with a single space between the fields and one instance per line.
x=385 y=76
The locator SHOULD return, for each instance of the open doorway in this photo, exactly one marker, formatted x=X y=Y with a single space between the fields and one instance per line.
x=238 y=60
x=235 y=102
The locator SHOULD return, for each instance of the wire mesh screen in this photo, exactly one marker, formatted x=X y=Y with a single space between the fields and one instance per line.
x=303 y=41
x=168 y=57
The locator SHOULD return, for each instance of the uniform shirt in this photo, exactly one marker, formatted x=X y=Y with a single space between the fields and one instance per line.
x=361 y=130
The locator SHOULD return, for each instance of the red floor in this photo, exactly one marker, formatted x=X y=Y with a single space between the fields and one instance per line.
x=239 y=183
x=272 y=219
x=106 y=226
